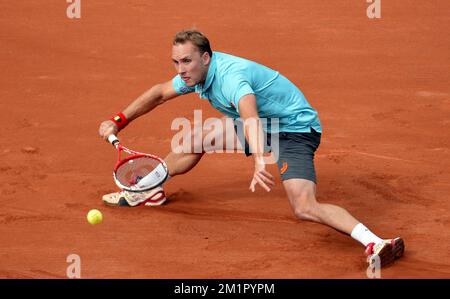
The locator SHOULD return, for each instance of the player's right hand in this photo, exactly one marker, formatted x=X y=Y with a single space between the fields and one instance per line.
x=108 y=127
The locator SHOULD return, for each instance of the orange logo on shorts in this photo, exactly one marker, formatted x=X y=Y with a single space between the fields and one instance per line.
x=284 y=167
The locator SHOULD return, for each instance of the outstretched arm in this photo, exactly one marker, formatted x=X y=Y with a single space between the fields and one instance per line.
x=254 y=135
x=145 y=103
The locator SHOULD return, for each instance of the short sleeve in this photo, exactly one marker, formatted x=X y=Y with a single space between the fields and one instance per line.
x=181 y=87
x=234 y=88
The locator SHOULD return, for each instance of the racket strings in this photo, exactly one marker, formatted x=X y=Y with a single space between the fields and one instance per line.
x=131 y=171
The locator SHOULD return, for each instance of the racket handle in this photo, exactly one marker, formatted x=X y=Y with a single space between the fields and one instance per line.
x=113 y=139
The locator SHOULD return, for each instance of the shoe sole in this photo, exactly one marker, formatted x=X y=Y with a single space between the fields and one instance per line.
x=122 y=203
x=153 y=203
x=386 y=255
x=149 y=202
x=398 y=247
x=390 y=252
x=157 y=199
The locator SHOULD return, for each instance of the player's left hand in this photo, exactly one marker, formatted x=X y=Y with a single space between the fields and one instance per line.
x=262 y=177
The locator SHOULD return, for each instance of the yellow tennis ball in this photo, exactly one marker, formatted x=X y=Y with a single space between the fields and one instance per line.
x=94 y=216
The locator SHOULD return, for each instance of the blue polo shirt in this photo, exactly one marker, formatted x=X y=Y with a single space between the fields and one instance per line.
x=230 y=78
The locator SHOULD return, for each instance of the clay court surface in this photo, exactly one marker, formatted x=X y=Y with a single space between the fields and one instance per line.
x=381 y=88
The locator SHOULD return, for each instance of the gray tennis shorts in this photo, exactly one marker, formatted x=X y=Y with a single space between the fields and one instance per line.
x=296 y=154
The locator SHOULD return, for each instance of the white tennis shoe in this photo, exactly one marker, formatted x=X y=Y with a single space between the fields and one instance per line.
x=388 y=250
x=153 y=197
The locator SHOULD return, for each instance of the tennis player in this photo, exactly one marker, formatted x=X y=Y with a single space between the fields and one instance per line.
x=240 y=88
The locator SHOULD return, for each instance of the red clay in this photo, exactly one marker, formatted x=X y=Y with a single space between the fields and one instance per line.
x=380 y=86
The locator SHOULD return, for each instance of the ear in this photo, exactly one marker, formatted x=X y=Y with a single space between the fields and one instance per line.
x=206 y=58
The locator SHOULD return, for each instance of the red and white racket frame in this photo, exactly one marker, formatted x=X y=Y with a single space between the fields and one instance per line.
x=134 y=154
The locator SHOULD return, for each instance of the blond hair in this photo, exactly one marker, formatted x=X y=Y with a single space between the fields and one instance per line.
x=196 y=38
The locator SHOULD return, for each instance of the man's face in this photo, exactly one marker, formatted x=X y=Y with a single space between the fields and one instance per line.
x=190 y=65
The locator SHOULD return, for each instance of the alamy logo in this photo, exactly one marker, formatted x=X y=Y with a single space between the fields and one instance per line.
x=74 y=9
x=74 y=268
x=227 y=135
x=374 y=9
x=374 y=269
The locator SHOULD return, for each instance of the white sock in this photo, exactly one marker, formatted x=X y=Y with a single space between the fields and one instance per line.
x=363 y=235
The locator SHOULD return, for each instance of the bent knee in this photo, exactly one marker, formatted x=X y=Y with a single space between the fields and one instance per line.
x=305 y=213
x=305 y=207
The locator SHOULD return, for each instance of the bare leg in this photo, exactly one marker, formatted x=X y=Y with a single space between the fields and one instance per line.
x=181 y=163
x=302 y=196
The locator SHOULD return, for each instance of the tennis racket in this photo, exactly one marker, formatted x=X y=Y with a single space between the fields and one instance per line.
x=137 y=172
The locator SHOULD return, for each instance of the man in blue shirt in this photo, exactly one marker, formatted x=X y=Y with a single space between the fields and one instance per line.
x=245 y=90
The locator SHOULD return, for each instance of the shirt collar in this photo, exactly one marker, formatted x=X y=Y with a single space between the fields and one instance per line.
x=200 y=88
